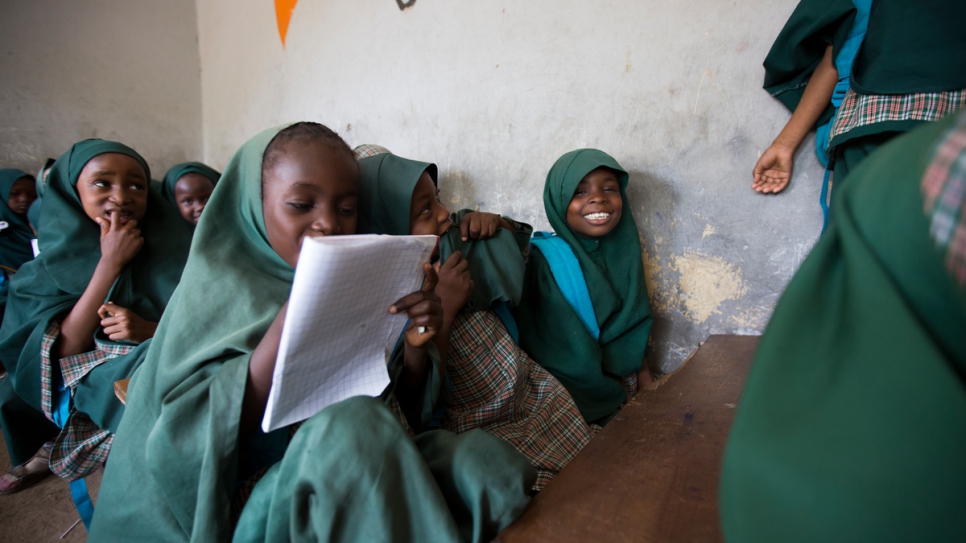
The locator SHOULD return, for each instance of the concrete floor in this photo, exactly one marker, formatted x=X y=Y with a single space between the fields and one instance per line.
x=42 y=512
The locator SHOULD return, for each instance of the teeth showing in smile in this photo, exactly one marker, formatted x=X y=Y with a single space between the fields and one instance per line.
x=597 y=216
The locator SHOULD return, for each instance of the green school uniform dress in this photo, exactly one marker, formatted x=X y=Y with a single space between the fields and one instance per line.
x=910 y=69
x=552 y=332
x=25 y=429
x=852 y=424
x=491 y=384
x=349 y=473
x=78 y=392
x=178 y=170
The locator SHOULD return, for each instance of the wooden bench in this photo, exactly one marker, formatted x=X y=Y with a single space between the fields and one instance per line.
x=651 y=474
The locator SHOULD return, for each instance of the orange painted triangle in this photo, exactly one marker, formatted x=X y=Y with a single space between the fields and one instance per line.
x=283 y=14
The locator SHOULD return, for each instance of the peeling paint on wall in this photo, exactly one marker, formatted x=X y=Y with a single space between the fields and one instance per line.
x=705 y=283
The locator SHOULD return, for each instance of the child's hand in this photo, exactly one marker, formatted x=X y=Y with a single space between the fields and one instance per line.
x=481 y=225
x=119 y=243
x=423 y=309
x=773 y=170
x=455 y=284
x=120 y=323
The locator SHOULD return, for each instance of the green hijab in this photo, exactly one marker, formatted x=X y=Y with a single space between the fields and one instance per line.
x=178 y=170
x=15 y=238
x=613 y=269
x=852 y=423
x=70 y=250
x=496 y=265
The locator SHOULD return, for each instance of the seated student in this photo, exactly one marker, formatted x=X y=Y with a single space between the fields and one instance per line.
x=188 y=186
x=190 y=434
x=29 y=430
x=80 y=314
x=851 y=423
x=17 y=193
x=490 y=382
x=584 y=314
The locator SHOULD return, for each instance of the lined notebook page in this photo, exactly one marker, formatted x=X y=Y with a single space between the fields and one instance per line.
x=338 y=333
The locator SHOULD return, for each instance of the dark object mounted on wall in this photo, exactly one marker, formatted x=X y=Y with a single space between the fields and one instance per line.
x=407 y=4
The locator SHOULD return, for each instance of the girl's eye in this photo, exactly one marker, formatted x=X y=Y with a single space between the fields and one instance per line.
x=347 y=211
x=299 y=206
x=426 y=210
x=100 y=183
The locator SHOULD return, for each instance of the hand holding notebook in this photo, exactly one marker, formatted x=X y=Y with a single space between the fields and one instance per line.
x=338 y=333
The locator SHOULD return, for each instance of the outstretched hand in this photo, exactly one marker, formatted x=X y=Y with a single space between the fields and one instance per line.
x=773 y=170
x=120 y=323
x=423 y=309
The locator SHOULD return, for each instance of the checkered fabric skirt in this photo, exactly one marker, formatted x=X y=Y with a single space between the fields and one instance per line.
x=81 y=447
x=496 y=387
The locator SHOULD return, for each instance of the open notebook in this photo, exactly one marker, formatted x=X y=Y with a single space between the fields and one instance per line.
x=338 y=332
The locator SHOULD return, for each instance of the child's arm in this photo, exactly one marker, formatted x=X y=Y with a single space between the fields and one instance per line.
x=120 y=323
x=482 y=225
x=774 y=169
x=454 y=290
x=119 y=244
x=426 y=318
x=261 y=370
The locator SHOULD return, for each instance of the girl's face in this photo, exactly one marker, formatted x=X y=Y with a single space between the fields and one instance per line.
x=23 y=193
x=113 y=183
x=595 y=208
x=311 y=190
x=427 y=215
x=191 y=192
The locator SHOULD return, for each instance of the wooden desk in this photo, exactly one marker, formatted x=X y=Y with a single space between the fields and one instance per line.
x=652 y=474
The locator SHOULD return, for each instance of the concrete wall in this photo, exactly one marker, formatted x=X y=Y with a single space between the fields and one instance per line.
x=113 y=69
x=495 y=91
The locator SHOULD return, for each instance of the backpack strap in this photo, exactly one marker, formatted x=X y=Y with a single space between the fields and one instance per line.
x=569 y=277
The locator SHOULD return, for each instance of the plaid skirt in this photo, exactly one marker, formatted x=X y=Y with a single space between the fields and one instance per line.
x=495 y=386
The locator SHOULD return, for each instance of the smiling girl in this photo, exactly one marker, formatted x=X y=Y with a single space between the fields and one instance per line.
x=80 y=315
x=187 y=187
x=585 y=315
x=491 y=384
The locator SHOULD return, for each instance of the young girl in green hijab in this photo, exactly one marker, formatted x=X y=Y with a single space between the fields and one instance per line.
x=491 y=384
x=585 y=315
x=187 y=186
x=79 y=316
x=351 y=472
x=17 y=193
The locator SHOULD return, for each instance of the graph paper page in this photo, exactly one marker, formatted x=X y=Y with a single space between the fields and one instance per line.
x=338 y=333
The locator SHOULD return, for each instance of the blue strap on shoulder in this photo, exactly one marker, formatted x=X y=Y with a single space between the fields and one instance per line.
x=569 y=277
x=843 y=64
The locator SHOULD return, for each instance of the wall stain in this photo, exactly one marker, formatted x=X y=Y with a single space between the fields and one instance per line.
x=705 y=283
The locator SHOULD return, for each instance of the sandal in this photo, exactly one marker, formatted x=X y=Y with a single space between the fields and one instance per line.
x=19 y=478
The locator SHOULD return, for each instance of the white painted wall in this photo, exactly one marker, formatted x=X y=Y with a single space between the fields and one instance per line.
x=113 y=69
x=494 y=91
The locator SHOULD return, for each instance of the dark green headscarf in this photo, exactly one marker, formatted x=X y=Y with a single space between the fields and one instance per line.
x=852 y=424
x=49 y=286
x=179 y=436
x=15 y=238
x=550 y=330
x=496 y=265
x=178 y=170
